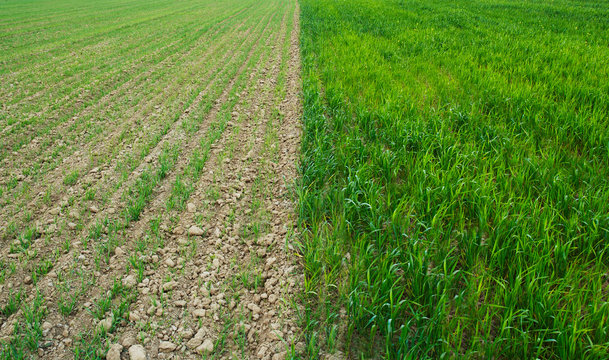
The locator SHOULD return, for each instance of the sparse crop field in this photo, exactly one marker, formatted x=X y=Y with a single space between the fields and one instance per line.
x=455 y=198
x=146 y=154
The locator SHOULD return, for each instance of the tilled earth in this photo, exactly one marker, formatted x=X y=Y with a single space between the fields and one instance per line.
x=156 y=216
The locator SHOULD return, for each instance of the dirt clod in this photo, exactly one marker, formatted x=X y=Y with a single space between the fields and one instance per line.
x=167 y=346
x=195 y=231
x=137 y=352
x=114 y=353
x=129 y=281
x=206 y=347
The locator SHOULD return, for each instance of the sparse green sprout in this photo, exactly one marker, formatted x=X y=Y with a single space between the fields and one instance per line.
x=13 y=304
x=71 y=178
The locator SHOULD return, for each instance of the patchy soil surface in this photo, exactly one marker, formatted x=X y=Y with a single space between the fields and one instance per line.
x=148 y=207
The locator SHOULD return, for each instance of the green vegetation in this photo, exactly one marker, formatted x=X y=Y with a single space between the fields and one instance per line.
x=13 y=303
x=71 y=178
x=27 y=331
x=455 y=198
x=454 y=189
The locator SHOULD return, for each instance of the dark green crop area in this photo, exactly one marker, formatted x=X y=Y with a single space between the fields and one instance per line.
x=455 y=178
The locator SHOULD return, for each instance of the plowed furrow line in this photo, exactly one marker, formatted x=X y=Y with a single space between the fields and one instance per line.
x=137 y=63
x=168 y=139
x=241 y=69
x=225 y=173
x=71 y=112
x=72 y=162
x=159 y=202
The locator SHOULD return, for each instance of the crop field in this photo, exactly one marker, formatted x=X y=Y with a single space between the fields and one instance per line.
x=455 y=178
x=147 y=156
x=430 y=181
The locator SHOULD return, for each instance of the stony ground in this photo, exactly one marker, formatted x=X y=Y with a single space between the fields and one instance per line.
x=148 y=210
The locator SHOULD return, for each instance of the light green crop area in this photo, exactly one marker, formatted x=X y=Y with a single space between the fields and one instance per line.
x=455 y=190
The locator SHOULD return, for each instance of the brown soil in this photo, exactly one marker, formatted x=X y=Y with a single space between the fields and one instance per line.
x=235 y=285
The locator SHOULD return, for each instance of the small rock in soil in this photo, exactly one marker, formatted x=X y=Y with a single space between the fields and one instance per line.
x=195 y=231
x=106 y=324
x=118 y=251
x=114 y=353
x=134 y=316
x=255 y=308
x=167 y=346
x=206 y=347
x=279 y=356
x=169 y=285
x=130 y=281
x=200 y=334
x=128 y=341
x=137 y=352
x=194 y=343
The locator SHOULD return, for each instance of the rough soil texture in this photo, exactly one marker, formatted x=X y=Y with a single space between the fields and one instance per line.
x=206 y=267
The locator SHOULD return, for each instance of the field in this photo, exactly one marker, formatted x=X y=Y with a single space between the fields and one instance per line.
x=148 y=151
x=455 y=182
x=430 y=181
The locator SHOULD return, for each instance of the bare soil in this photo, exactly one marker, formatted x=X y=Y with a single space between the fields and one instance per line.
x=223 y=275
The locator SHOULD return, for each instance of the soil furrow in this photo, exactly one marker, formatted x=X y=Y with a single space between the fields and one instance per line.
x=74 y=161
x=172 y=137
x=141 y=61
x=227 y=253
x=118 y=92
x=176 y=232
x=241 y=69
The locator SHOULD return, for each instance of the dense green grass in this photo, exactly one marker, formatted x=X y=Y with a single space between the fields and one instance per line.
x=455 y=197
